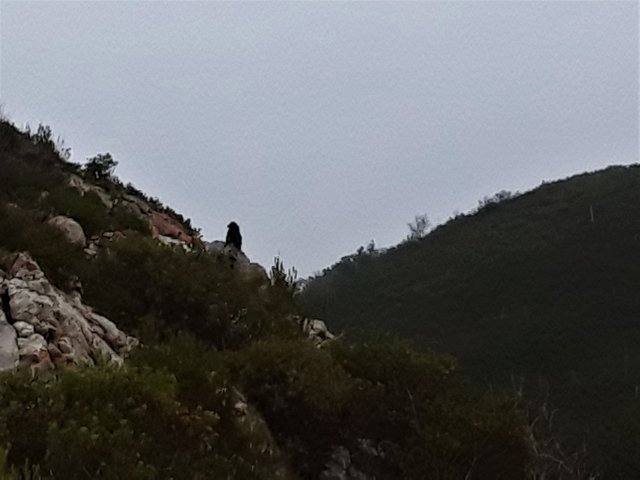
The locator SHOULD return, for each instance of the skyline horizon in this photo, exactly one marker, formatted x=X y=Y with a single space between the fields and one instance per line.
x=319 y=127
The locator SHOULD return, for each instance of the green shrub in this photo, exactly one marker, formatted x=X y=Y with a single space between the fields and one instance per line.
x=203 y=381
x=179 y=291
x=440 y=426
x=302 y=393
x=118 y=423
x=100 y=167
x=7 y=472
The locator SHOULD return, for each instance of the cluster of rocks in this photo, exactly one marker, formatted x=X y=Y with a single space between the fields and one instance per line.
x=96 y=242
x=43 y=327
x=74 y=233
x=315 y=330
x=356 y=464
x=163 y=226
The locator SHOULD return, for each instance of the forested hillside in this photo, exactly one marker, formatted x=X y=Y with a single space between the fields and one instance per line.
x=539 y=289
x=213 y=376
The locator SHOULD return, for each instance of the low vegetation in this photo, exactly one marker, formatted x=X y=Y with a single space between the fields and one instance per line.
x=224 y=385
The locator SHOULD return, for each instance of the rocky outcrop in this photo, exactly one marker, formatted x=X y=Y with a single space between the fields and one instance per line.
x=315 y=330
x=48 y=327
x=218 y=247
x=97 y=242
x=172 y=242
x=78 y=183
x=71 y=229
x=136 y=206
x=141 y=205
x=238 y=261
x=164 y=225
x=357 y=464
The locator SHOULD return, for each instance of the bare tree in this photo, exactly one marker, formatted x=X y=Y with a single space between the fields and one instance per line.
x=419 y=227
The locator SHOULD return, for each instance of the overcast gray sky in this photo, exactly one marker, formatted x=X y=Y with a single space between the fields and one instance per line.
x=320 y=126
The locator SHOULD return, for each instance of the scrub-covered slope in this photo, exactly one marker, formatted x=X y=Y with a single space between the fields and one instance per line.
x=541 y=286
x=193 y=363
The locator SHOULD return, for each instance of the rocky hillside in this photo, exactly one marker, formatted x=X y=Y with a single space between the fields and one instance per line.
x=537 y=290
x=40 y=326
x=132 y=348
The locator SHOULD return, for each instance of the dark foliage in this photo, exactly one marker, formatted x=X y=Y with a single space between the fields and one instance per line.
x=433 y=425
x=120 y=423
x=542 y=286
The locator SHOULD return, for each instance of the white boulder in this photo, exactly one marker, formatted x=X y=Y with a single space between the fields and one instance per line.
x=71 y=229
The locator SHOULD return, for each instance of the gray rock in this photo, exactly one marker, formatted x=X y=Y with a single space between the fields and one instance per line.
x=333 y=474
x=23 y=304
x=217 y=246
x=368 y=447
x=9 y=355
x=41 y=312
x=76 y=182
x=71 y=229
x=240 y=404
x=65 y=346
x=24 y=329
x=138 y=202
x=171 y=242
x=340 y=457
x=25 y=269
x=354 y=474
x=315 y=330
x=135 y=210
x=238 y=261
x=32 y=345
x=338 y=465
x=104 y=197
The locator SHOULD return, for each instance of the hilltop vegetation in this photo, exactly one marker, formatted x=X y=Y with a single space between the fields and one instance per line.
x=539 y=290
x=224 y=385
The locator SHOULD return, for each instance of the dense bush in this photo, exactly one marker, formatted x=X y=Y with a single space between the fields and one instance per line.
x=302 y=394
x=154 y=290
x=434 y=425
x=119 y=423
x=442 y=427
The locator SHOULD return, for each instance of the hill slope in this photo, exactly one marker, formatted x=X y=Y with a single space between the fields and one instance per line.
x=223 y=384
x=533 y=287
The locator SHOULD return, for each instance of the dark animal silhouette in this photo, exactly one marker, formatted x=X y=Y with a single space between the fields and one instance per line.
x=233 y=236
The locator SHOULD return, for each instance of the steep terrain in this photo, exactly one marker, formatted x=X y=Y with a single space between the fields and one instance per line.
x=134 y=349
x=539 y=290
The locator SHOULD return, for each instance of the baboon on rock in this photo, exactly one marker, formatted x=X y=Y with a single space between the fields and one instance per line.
x=233 y=236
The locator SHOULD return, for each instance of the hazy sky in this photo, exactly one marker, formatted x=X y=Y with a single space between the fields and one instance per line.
x=320 y=126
